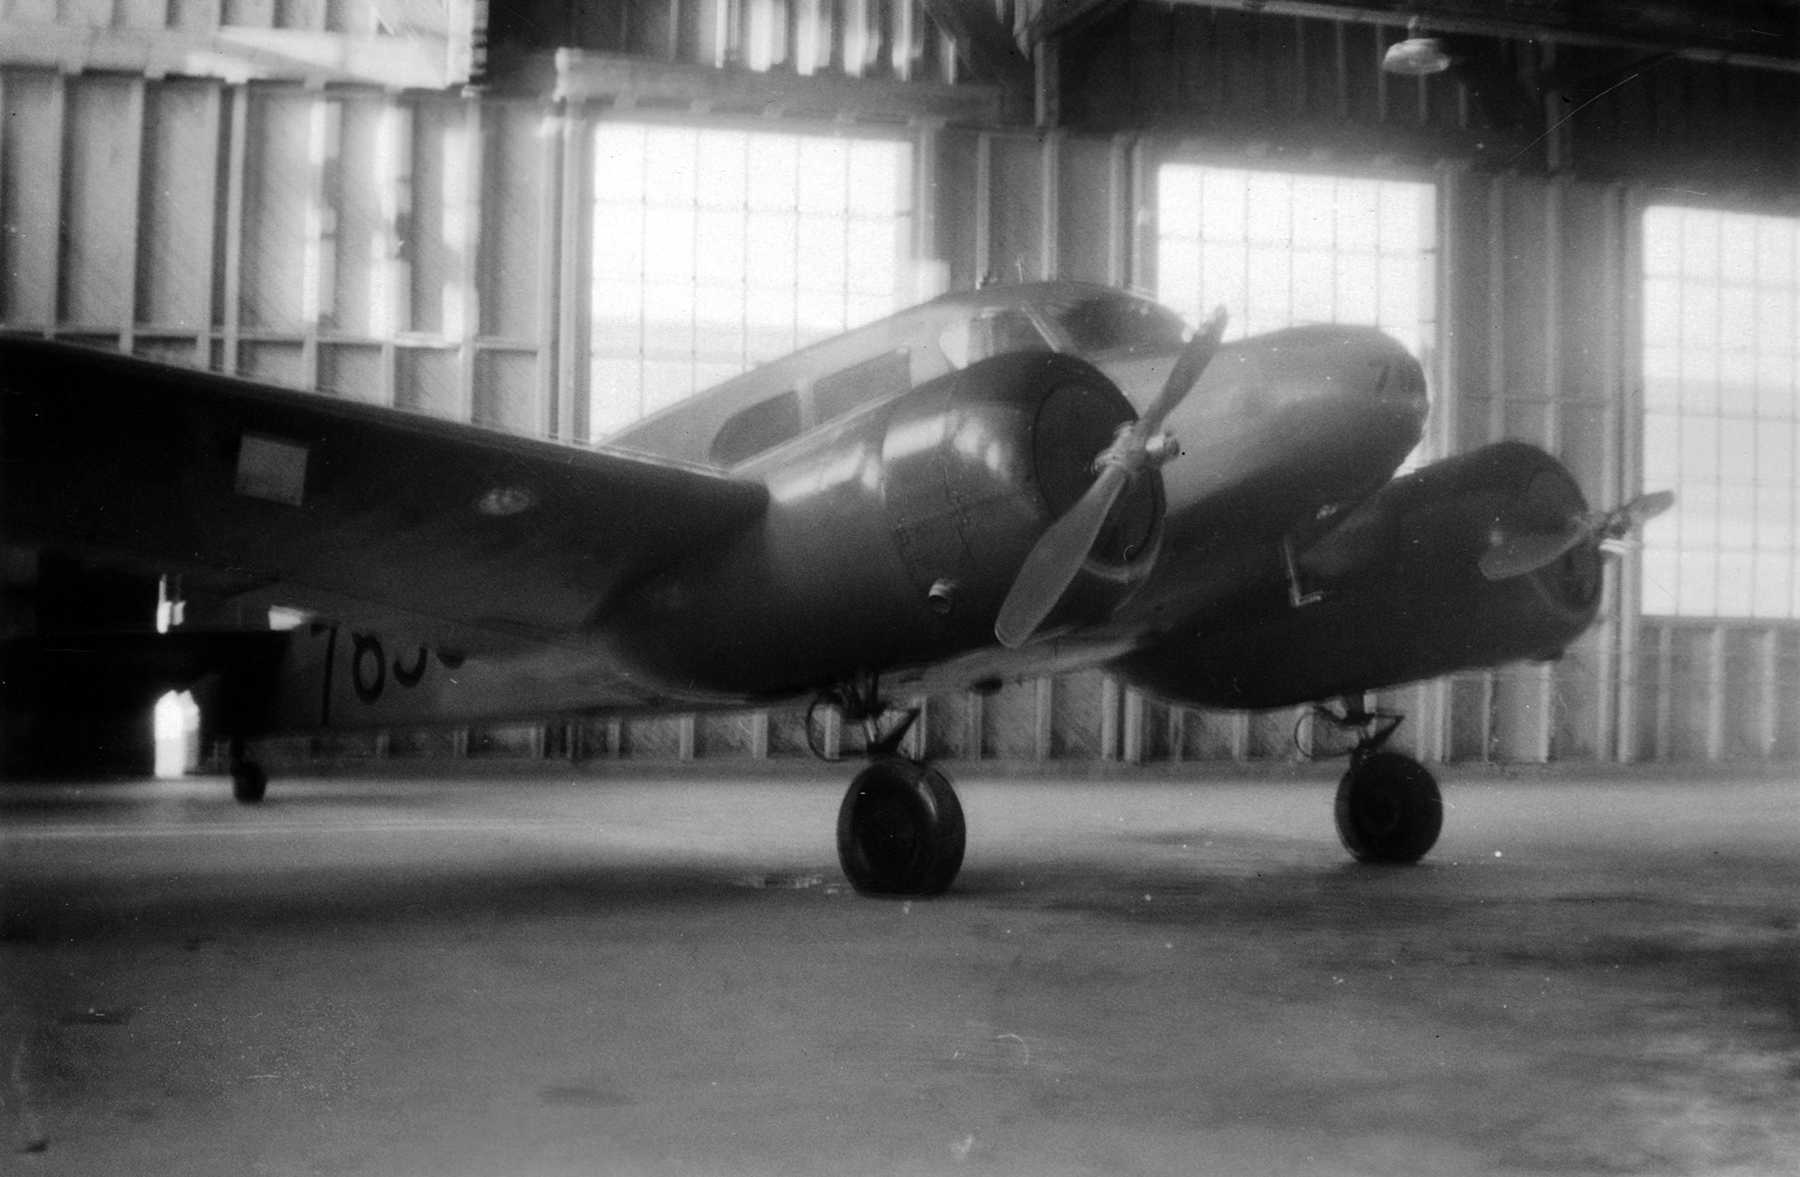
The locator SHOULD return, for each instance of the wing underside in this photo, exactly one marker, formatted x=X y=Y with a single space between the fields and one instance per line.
x=351 y=508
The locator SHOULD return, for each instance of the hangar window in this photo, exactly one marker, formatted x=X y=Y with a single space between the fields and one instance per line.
x=1282 y=248
x=1721 y=412
x=716 y=249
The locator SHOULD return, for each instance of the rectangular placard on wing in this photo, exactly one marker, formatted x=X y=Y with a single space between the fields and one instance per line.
x=271 y=469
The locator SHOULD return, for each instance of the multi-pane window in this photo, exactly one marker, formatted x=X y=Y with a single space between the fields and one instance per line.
x=1721 y=317
x=1281 y=248
x=717 y=249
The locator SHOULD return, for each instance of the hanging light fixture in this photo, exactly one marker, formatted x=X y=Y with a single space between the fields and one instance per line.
x=1416 y=55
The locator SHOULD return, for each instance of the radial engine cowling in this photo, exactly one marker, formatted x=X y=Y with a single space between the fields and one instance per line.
x=1395 y=593
x=978 y=464
x=893 y=536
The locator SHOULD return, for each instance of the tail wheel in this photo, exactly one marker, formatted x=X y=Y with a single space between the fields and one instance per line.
x=900 y=830
x=1388 y=809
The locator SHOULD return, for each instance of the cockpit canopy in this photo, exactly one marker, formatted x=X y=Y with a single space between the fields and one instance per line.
x=1088 y=324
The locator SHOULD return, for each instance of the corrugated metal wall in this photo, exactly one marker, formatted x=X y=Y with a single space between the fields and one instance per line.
x=425 y=250
x=386 y=247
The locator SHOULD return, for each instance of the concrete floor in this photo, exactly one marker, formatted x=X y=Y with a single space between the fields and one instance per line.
x=623 y=976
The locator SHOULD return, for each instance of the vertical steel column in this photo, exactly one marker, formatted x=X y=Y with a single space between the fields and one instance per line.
x=211 y=114
x=550 y=165
x=1626 y=267
x=1109 y=718
x=318 y=280
x=55 y=166
x=975 y=716
x=1050 y=194
x=1452 y=235
x=1118 y=210
x=1436 y=698
x=1546 y=674
x=468 y=236
x=903 y=31
x=1610 y=694
x=984 y=206
x=134 y=169
x=392 y=309
x=1131 y=748
x=918 y=741
x=1140 y=205
x=1341 y=60
x=1665 y=691
x=1769 y=729
x=571 y=381
x=1043 y=731
x=1496 y=308
x=1715 y=694
x=1496 y=387
x=231 y=323
x=925 y=209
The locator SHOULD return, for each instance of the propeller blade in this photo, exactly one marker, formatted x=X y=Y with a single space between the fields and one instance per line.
x=1623 y=520
x=1516 y=553
x=1519 y=553
x=1185 y=374
x=1060 y=552
x=1056 y=559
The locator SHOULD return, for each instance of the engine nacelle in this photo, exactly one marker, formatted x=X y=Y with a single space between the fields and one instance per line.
x=893 y=536
x=1399 y=594
x=975 y=466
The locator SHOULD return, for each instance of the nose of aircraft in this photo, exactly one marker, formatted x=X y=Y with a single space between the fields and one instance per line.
x=1395 y=381
x=1355 y=388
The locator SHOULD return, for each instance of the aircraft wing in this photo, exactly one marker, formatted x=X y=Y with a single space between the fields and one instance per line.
x=291 y=494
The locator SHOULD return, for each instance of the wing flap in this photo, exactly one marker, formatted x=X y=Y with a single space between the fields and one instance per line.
x=121 y=456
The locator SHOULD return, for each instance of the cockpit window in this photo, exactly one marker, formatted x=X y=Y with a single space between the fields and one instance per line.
x=762 y=426
x=991 y=333
x=1111 y=324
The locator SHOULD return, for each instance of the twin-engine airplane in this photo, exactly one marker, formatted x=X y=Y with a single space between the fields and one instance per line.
x=983 y=488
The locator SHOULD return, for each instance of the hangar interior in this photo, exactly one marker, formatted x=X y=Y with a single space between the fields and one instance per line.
x=556 y=218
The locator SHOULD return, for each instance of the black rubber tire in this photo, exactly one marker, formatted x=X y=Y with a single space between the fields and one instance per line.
x=900 y=830
x=1388 y=809
x=248 y=782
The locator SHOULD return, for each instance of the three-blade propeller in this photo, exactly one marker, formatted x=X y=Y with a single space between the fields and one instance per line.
x=1139 y=447
x=1518 y=552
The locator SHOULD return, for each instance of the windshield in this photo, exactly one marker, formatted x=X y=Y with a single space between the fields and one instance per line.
x=1110 y=323
x=991 y=333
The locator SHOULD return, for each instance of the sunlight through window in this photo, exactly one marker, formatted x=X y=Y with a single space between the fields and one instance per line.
x=718 y=249
x=1279 y=249
x=1721 y=319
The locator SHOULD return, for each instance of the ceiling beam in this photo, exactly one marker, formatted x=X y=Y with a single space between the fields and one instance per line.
x=1460 y=21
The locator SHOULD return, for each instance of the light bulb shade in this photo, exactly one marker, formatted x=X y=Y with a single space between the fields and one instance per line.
x=1416 y=56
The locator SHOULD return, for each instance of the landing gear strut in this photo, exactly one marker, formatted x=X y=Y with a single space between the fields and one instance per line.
x=900 y=830
x=249 y=781
x=1388 y=806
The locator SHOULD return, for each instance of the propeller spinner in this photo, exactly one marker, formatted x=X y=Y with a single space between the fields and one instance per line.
x=1138 y=448
x=1519 y=552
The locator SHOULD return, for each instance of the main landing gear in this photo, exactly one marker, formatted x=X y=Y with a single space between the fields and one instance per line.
x=900 y=830
x=1388 y=806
